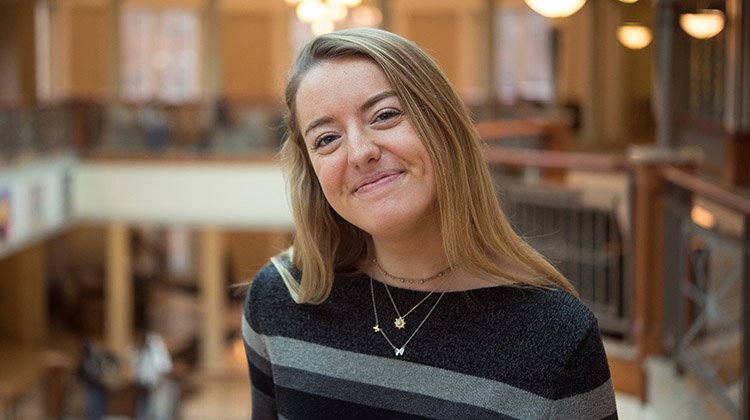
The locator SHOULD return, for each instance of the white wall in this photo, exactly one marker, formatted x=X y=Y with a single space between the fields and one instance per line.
x=39 y=200
x=242 y=194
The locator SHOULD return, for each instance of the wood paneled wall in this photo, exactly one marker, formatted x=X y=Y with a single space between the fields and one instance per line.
x=23 y=296
x=246 y=70
x=17 y=60
x=454 y=33
x=255 y=42
x=87 y=67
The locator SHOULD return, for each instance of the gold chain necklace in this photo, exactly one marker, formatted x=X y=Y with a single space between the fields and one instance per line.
x=399 y=350
x=400 y=321
x=408 y=280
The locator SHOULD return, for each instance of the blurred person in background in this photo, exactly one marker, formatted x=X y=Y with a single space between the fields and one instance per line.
x=100 y=371
x=151 y=366
x=406 y=293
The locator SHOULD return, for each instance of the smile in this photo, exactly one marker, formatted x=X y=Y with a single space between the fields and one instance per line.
x=377 y=180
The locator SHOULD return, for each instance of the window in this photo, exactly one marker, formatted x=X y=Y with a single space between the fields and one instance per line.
x=524 y=56
x=160 y=55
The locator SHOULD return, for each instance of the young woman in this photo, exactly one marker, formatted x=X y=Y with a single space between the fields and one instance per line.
x=406 y=294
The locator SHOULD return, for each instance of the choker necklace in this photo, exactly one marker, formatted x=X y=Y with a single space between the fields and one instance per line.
x=408 y=280
x=399 y=350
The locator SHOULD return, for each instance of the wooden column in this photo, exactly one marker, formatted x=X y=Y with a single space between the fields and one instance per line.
x=648 y=215
x=737 y=97
x=736 y=157
x=211 y=63
x=628 y=373
x=114 y=56
x=118 y=290
x=648 y=224
x=212 y=298
x=744 y=396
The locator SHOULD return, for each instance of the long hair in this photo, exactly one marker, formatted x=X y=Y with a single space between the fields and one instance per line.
x=474 y=229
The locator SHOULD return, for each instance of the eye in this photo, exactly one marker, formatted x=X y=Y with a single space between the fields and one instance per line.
x=324 y=140
x=387 y=115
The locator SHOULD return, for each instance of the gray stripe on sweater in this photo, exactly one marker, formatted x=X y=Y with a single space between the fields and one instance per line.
x=375 y=396
x=595 y=404
x=253 y=339
x=405 y=376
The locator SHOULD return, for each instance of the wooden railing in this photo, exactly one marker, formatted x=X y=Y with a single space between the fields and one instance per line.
x=655 y=305
x=645 y=263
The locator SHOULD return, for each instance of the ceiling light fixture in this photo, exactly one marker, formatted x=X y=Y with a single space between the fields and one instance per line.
x=555 y=8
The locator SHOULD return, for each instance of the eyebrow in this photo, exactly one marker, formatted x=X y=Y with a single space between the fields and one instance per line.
x=375 y=99
x=364 y=107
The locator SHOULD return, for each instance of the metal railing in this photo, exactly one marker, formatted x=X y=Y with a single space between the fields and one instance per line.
x=30 y=132
x=97 y=128
x=584 y=241
x=582 y=229
x=707 y=282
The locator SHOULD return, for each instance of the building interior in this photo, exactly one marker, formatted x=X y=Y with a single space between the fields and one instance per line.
x=139 y=180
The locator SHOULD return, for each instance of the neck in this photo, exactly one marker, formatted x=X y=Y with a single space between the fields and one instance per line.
x=418 y=257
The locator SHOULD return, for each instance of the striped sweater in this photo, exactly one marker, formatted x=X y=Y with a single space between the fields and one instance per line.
x=497 y=352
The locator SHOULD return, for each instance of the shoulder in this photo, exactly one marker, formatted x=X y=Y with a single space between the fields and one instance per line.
x=267 y=281
x=556 y=335
x=562 y=316
x=563 y=307
x=549 y=322
x=267 y=290
x=556 y=308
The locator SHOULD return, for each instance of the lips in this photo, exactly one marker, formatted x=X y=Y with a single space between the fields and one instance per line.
x=376 y=179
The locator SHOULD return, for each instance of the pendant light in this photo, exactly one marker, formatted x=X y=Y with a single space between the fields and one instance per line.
x=703 y=24
x=555 y=8
x=634 y=35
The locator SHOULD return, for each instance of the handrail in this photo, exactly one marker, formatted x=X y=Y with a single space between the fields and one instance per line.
x=491 y=130
x=546 y=159
x=729 y=197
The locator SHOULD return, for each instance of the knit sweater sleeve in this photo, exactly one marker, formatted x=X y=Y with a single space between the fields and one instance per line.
x=586 y=368
x=262 y=387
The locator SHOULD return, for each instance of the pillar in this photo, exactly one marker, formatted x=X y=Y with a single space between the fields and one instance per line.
x=211 y=281
x=666 y=24
x=118 y=288
x=737 y=99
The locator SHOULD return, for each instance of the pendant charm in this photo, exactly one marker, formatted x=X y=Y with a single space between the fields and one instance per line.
x=400 y=352
x=399 y=323
x=376 y=328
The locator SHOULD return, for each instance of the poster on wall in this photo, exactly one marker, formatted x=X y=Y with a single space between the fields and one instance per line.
x=4 y=214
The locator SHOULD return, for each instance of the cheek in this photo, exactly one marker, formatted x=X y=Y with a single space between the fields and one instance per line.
x=330 y=177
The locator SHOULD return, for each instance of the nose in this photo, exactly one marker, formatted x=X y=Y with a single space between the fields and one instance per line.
x=362 y=148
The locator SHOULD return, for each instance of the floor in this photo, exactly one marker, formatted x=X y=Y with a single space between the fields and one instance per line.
x=221 y=395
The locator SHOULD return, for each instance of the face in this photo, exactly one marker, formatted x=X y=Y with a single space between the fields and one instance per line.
x=369 y=159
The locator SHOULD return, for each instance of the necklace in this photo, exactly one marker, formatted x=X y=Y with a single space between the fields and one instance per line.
x=400 y=321
x=408 y=280
x=399 y=350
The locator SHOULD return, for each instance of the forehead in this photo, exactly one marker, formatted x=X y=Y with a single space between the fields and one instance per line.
x=336 y=78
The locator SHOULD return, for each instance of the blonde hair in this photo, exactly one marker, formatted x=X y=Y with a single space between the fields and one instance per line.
x=475 y=231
